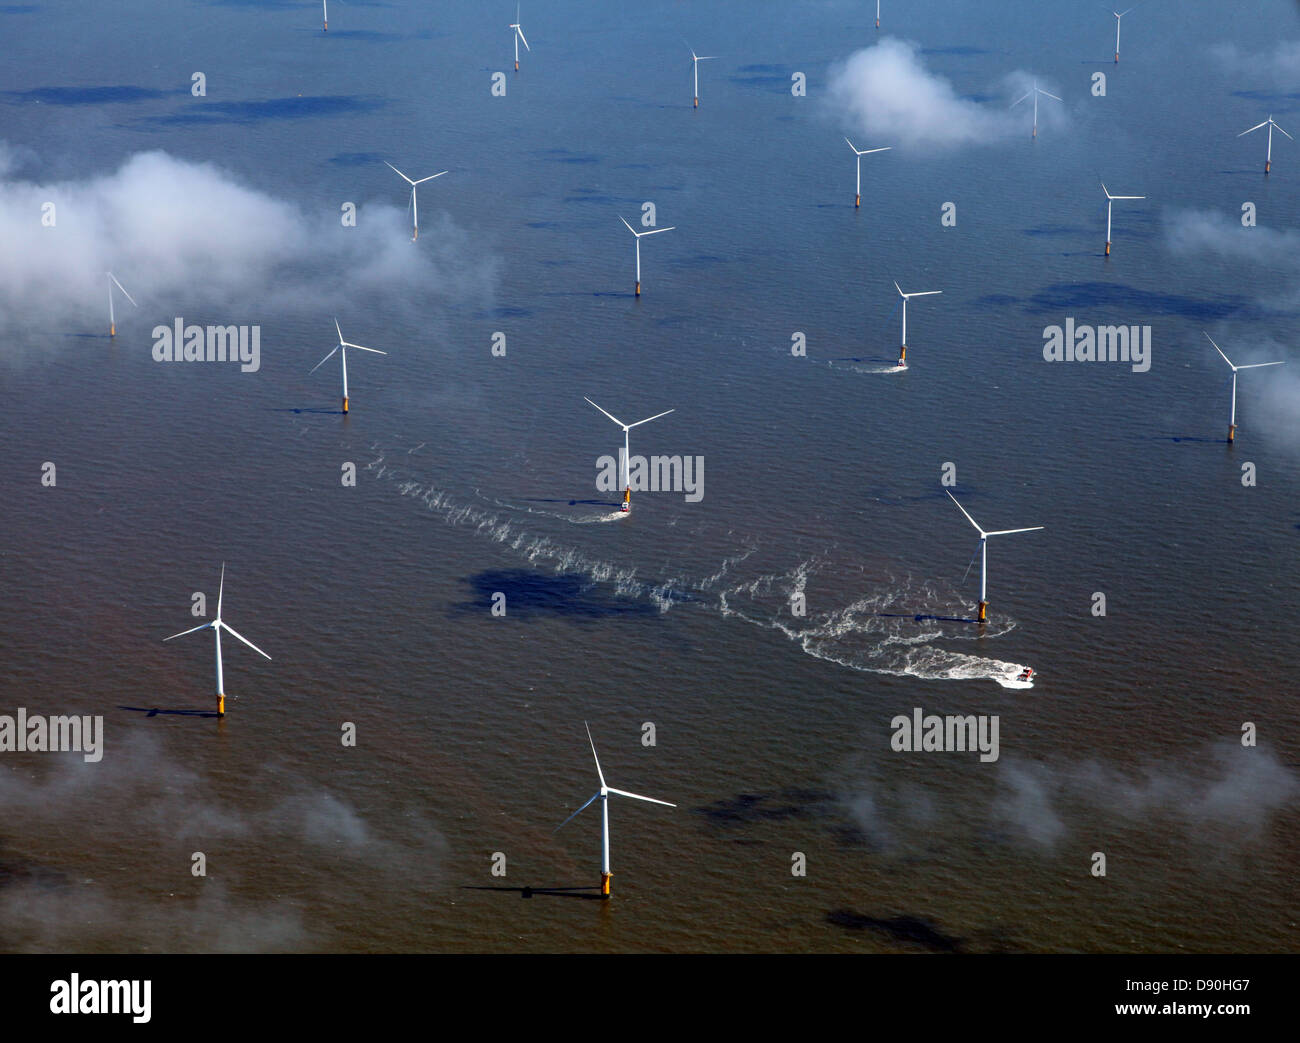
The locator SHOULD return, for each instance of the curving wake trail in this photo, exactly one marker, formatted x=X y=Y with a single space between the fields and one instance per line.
x=900 y=628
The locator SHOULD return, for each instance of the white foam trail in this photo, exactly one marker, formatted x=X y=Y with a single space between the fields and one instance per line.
x=894 y=630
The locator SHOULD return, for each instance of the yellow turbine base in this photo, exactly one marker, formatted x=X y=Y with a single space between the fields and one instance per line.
x=1117 y=57
x=638 y=287
x=1108 y=249
x=1268 y=163
x=415 y=233
x=516 y=66
x=902 y=355
x=857 y=201
x=697 y=103
x=345 y=404
x=1232 y=433
x=112 y=329
x=327 y=27
x=604 y=884
x=221 y=705
x=983 y=611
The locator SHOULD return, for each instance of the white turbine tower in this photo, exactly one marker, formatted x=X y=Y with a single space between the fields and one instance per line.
x=653 y=231
x=325 y=11
x=519 y=35
x=1118 y=16
x=1268 y=161
x=343 y=346
x=877 y=14
x=1232 y=422
x=695 y=68
x=603 y=796
x=1109 y=200
x=902 y=355
x=983 y=552
x=415 y=206
x=112 y=320
x=627 y=460
x=857 y=199
x=1035 y=92
x=216 y=626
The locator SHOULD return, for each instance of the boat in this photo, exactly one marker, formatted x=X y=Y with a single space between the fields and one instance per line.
x=1027 y=674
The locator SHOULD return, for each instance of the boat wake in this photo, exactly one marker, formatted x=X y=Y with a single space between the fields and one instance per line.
x=902 y=628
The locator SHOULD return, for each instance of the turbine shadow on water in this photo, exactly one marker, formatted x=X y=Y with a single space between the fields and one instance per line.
x=590 y=893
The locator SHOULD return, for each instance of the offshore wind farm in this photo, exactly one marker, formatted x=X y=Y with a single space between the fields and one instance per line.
x=424 y=554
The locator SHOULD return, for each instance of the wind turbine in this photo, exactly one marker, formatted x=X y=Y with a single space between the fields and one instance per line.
x=1035 y=92
x=325 y=10
x=216 y=626
x=343 y=346
x=1109 y=200
x=902 y=355
x=112 y=321
x=519 y=35
x=627 y=460
x=1118 y=15
x=638 y=235
x=603 y=796
x=695 y=68
x=1232 y=423
x=984 y=553
x=857 y=199
x=415 y=207
x=1268 y=162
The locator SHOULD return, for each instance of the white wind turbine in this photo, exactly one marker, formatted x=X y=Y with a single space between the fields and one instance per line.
x=695 y=68
x=653 y=231
x=1118 y=16
x=519 y=35
x=1268 y=161
x=1035 y=92
x=983 y=552
x=627 y=460
x=603 y=796
x=902 y=355
x=857 y=199
x=1232 y=422
x=112 y=320
x=415 y=206
x=216 y=626
x=1109 y=200
x=343 y=346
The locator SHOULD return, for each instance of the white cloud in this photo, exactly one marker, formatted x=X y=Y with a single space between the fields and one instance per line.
x=180 y=234
x=886 y=95
x=1279 y=66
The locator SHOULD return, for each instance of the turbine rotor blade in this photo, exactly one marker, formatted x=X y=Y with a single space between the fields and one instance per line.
x=429 y=178
x=649 y=418
x=968 y=517
x=1019 y=100
x=1048 y=93
x=1257 y=365
x=324 y=360
x=610 y=415
x=654 y=231
x=520 y=30
x=235 y=634
x=629 y=227
x=391 y=167
x=221 y=589
x=593 y=753
x=362 y=347
x=996 y=532
x=637 y=796
x=1219 y=350
x=1275 y=125
x=192 y=630
x=132 y=299
x=575 y=814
